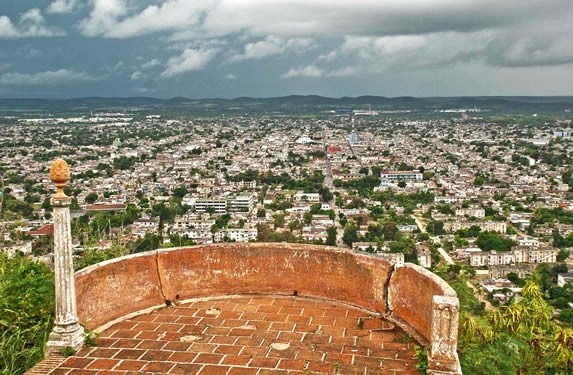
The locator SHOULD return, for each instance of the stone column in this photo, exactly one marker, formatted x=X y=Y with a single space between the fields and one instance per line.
x=67 y=331
x=443 y=357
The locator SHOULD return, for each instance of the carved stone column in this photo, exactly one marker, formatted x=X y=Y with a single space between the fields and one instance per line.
x=67 y=331
x=443 y=357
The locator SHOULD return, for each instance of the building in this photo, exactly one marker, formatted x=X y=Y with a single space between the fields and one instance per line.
x=424 y=256
x=519 y=254
x=218 y=206
x=236 y=235
x=368 y=247
x=564 y=278
x=391 y=257
x=242 y=203
x=390 y=176
x=353 y=139
x=471 y=212
x=493 y=226
x=301 y=196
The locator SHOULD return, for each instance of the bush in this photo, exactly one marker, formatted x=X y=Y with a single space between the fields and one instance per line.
x=26 y=312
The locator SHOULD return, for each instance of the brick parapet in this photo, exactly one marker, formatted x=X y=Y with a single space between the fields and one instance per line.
x=121 y=287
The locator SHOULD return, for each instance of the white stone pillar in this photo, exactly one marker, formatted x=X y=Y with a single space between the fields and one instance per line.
x=67 y=331
x=443 y=356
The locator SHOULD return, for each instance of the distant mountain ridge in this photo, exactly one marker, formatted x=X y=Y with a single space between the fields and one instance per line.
x=292 y=103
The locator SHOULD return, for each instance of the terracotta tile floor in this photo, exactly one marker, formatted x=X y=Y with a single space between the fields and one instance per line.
x=247 y=335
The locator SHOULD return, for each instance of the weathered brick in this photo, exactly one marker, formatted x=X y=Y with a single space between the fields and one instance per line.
x=242 y=371
x=103 y=364
x=208 y=358
x=262 y=362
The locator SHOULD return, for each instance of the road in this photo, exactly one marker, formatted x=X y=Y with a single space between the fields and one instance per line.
x=329 y=184
x=435 y=239
x=448 y=259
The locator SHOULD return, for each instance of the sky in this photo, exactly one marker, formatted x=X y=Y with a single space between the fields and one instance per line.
x=265 y=48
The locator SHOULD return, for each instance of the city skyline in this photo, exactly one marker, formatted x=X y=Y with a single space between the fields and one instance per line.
x=167 y=48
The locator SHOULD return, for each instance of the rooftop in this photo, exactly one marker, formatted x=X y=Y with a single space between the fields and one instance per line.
x=260 y=334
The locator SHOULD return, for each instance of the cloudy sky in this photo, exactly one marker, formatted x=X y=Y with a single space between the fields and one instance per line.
x=230 y=48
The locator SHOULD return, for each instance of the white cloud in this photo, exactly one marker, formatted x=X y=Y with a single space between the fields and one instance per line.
x=31 y=24
x=136 y=75
x=288 y=18
x=373 y=17
x=360 y=56
x=272 y=45
x=306 y=71
x=110 y=18
x=150 y=64
x=103 y=17
x=292 y=25
x=231 y=76
x=62 y=6
x=57 y=77
x=189 y=60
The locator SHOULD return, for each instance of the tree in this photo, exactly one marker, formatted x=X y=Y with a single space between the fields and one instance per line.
x=390 y=231
x=180 y=191
x=331 y=236
x=566 y=316
x=91 y=198
x=294 y=225
x=492 y=241
x=435 y=227
x=279 y=220
x=563 y=255
x=518 y=339
x=261 y=212
x=350 y=234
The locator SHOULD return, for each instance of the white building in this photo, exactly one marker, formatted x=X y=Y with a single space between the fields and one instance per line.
x=236 y=235
x=242 y=203
x=301 y=196
x=516 y=255
x=401 y=175
x=218 y=206
x=471 y=212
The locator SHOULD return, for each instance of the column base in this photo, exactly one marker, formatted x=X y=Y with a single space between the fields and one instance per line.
x=444 y=367
x=62 y=337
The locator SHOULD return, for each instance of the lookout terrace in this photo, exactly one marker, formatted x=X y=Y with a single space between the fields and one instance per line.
x=246 y=308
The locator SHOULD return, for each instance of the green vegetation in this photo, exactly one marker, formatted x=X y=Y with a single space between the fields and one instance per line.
x=521 y=338
x=493 y=241
x=26 y=312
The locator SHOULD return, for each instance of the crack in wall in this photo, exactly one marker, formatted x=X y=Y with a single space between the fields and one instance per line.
x=388 y=310
x=167 y=301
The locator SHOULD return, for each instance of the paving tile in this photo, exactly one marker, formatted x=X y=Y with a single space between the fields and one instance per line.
x=322 y=337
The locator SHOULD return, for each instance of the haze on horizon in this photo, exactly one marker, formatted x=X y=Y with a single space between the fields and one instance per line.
x=262 y=48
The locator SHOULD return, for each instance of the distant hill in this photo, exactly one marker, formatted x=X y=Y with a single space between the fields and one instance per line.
x=290 y=104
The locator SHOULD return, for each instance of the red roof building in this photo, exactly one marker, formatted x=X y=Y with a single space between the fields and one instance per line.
x=46 y=230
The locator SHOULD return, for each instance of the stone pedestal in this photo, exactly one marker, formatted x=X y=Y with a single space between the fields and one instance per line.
x=67 y=331
x=443 y=356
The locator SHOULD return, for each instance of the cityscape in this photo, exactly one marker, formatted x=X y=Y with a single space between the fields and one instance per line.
x=286 y=187
x=484 y=199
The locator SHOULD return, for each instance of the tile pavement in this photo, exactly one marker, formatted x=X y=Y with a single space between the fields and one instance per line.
x=245 y=335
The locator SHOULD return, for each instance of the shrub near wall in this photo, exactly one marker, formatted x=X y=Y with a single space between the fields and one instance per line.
x=26 y=312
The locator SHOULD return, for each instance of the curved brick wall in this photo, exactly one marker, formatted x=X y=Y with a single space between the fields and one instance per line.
x=116 y=288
